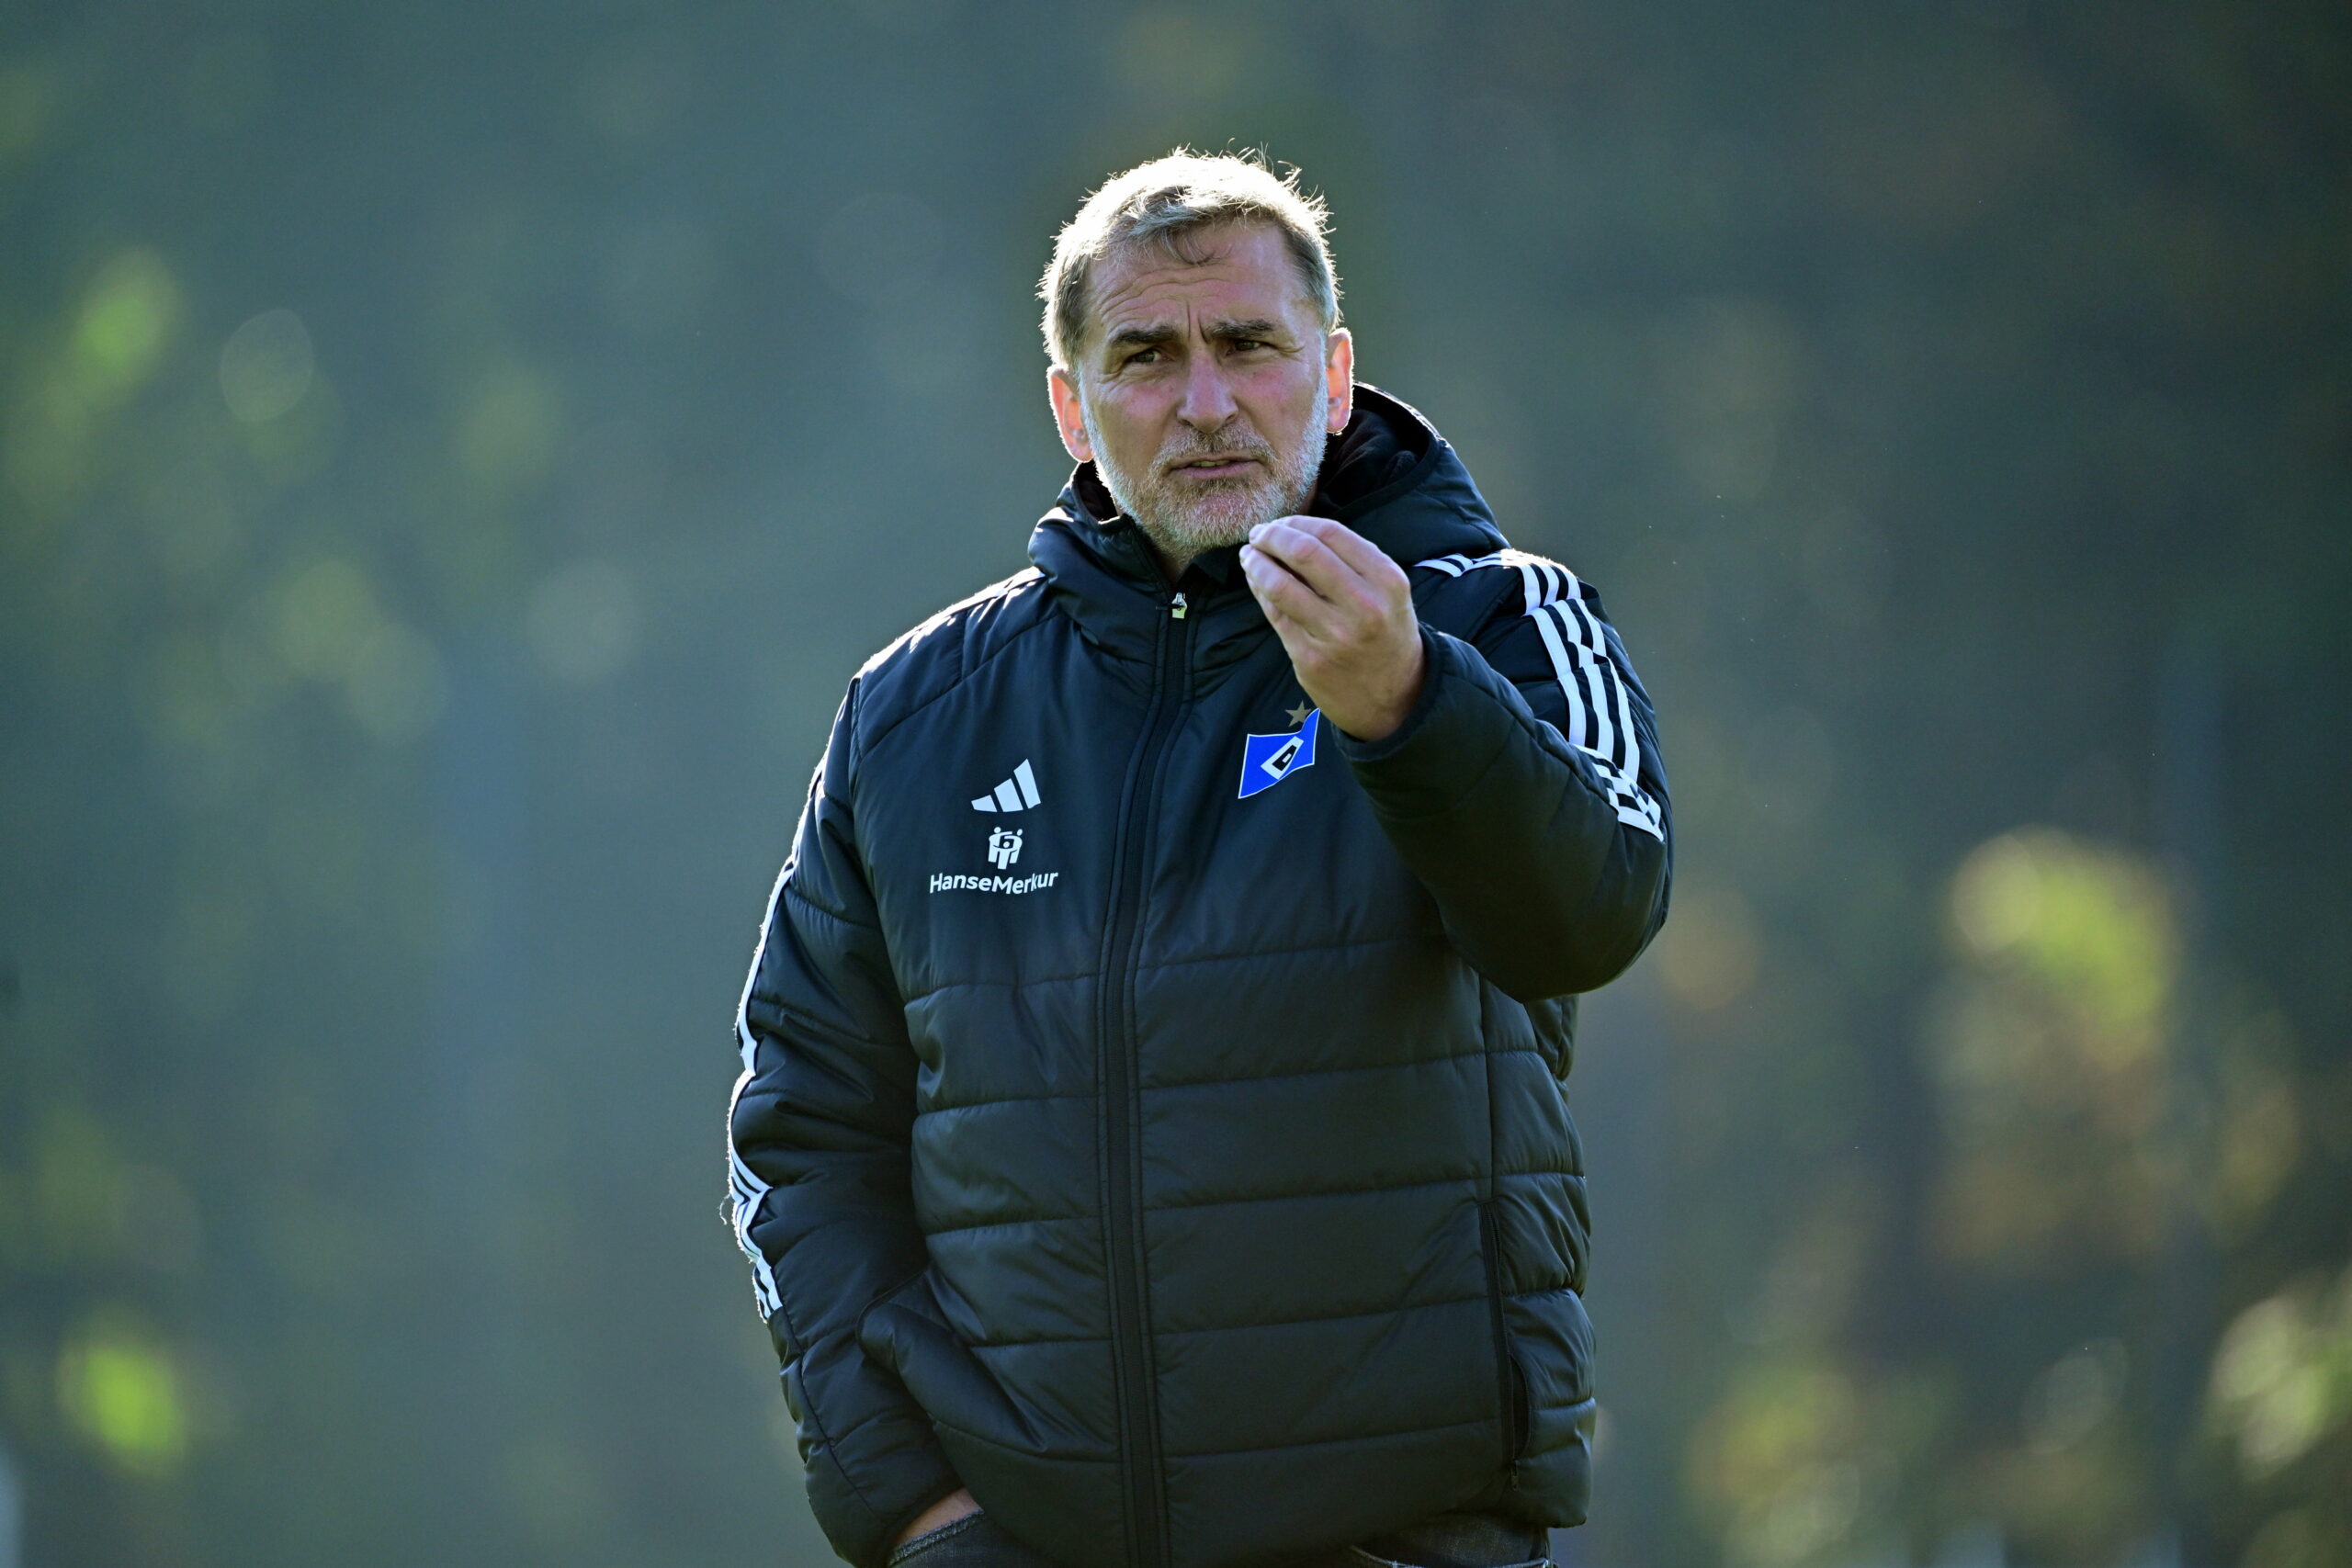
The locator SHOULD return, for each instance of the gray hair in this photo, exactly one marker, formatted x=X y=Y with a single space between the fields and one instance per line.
x=1163 y=202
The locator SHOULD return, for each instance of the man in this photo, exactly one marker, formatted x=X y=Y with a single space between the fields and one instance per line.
x=1151 y=1147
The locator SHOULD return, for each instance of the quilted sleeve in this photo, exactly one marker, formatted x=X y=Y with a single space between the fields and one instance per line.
x=1525 y=790
x=817 y=1159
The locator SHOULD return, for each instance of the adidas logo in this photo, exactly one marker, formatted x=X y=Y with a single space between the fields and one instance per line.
x=1018 y=793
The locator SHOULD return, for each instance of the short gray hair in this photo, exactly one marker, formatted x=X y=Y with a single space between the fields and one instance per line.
x=1160 y=203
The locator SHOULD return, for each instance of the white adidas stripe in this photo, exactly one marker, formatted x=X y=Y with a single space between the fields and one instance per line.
x=744 y=1186
x=746 y=1190
x=1018 y=793
x=1600 y=716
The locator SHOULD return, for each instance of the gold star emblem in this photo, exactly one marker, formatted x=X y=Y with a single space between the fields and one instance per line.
x=1298 y=715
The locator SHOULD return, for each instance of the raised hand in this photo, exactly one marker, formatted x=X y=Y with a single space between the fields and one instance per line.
x=1344 y=612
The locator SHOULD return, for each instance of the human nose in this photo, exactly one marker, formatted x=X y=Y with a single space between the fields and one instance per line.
x=1208 y=401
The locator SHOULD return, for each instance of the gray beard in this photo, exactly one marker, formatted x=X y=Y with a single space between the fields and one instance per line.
x=1223 y=511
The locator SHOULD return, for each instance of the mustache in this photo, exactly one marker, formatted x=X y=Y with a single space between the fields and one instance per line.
x=1223 y=448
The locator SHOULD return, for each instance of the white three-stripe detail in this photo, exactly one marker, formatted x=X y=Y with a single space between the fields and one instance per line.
x=1018 y=793
x=744 y=1186
x=1600 y=716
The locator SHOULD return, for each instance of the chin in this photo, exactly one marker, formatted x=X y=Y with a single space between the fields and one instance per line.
x=1211 y=521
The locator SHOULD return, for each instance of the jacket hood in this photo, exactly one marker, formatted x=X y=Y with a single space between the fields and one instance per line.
x=1388 y=475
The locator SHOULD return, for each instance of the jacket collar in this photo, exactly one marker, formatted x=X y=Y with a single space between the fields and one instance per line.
x=1388 y=475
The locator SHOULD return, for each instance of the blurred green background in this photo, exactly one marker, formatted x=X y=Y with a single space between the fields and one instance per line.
x=452 y=457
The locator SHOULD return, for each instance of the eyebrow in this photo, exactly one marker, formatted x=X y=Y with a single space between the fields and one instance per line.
x=1139 y=337
x=1222 y=331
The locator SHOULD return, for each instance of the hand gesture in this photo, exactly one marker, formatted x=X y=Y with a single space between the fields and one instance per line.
x=1344 y=612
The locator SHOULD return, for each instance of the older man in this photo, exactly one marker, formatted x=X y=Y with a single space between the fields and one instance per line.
x=1151 y=1147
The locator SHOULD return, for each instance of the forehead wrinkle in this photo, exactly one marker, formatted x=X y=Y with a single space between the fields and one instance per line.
x=1165 y=291
x=1186 y=320
x=1158 y=326
x=1165 y=304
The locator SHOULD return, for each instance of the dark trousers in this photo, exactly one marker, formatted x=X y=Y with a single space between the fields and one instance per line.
x=1450 y=1540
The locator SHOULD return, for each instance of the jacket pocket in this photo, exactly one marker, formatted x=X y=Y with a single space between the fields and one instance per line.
x=1510 y=1383
x=907 y=1332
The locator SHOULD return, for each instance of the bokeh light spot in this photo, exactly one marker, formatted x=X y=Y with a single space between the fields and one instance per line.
x=2067 y=1403
x=2094 y=924
x=267 y=366
x=2282 y=1378
x=122 y=1391
x=124 y=324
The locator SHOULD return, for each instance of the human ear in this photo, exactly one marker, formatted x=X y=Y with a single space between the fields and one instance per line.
x=1061 y=389
x=1340 y=378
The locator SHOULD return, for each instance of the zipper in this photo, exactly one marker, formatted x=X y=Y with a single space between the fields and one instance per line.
x=1131 y=1358
x=1507 y=1396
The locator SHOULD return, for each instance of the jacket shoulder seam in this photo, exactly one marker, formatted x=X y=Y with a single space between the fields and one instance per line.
x=1509 y=567
x=954 y=682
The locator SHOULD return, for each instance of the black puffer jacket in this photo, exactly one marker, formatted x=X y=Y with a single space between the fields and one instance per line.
x=1152 y=1112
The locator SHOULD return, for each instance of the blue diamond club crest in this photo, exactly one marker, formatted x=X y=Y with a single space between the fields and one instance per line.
x=1267 y=760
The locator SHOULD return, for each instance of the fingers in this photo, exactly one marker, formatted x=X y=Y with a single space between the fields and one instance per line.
x=1344 y=612
x=1312 y=628
x=1338 y=563
x=1310 y=560
x=1297 y=617
x=1363 y=556
x=1330 y=560
x=1287 y=600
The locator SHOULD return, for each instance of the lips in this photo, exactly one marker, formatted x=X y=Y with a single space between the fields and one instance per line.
x=1216 y=466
